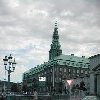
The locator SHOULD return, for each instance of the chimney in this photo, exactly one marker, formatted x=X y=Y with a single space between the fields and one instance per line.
x=83 y=56
x=72 y=54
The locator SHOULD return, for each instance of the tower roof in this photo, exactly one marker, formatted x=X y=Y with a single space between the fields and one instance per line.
x=62 y=60
x=55 y=46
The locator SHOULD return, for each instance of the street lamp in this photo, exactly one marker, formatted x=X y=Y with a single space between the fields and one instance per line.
x=69 y=83
x=54 y=63
x=11 y=66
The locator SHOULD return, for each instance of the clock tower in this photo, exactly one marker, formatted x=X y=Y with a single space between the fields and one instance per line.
x=55 y=46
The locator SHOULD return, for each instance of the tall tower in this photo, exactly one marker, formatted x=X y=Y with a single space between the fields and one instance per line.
x=55 y=46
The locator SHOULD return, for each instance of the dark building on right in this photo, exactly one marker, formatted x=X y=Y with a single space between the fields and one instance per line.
x=95 y=74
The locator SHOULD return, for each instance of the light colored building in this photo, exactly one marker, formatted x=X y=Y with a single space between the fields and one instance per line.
x=95 y=74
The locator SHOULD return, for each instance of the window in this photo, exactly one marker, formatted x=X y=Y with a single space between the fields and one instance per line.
x=69 y=70
x=44 y=72
x=88 y=72
x=60 y=69
x=73 y=71
x=81 y=71
x=41 y=74
x=51 y=70
x=55 y=79
x=78 y=75
x=85 y=72
x=77 y=71
x=59 y=79
x=64 y=69
x=51 y=79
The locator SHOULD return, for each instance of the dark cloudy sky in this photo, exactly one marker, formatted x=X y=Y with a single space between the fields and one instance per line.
x=26 y=28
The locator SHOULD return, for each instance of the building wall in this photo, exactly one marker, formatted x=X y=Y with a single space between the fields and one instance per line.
x=61 y=74
x=92 y=83
x=94 y=61
x=94 y=76
x=98 y=84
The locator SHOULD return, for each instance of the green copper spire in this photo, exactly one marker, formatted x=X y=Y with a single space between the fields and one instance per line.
x=55 y=46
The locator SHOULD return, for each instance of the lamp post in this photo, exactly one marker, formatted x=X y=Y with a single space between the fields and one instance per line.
x=63 y=82
x=69 y=83
x=4 y=81
x=54 y=63
x=9 y=66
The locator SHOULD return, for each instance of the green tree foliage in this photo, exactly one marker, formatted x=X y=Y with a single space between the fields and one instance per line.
x=25 y=88
x=14 y=87
x=35 y=83
x=82 y=86
x=73 y=88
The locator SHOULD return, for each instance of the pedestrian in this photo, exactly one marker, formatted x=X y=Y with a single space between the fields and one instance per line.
x=35 y=95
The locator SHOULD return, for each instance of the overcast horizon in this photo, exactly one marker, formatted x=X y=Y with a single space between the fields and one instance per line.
x=26 y=29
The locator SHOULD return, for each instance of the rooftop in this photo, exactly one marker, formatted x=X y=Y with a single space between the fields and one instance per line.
x=68 y=60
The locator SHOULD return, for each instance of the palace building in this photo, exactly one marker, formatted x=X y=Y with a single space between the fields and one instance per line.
x=57 y=70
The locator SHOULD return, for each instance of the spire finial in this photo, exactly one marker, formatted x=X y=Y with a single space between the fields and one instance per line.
x=56 y=25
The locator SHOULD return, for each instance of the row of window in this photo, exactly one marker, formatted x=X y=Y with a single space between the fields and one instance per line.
x=65 y=70
x=70 y=70
x=80 y=64
x=56 y=79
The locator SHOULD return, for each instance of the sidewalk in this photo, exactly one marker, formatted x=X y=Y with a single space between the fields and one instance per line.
x=72 y=98
x=90 y=98
x=75 y=98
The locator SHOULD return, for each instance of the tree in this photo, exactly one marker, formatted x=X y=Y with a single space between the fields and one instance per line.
x=25 y=88
x=35 y=83
x=73 y=88
x=60 y=85
x=77 y=86
x=14 y=87
x=82 y=86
